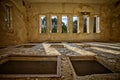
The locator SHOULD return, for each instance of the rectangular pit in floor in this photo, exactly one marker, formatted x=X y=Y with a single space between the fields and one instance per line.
x=87 y=66
x=2 y=47
x=30 y=66
x=25 y=46
x=57 y=46
x=84 y=45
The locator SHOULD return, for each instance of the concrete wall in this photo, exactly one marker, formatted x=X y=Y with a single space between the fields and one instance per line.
x=16 y=33
x=25 y=21
x=115 y=21
x=69 y=9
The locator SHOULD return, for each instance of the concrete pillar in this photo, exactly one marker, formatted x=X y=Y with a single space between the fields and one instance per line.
x=48 y=28
x=70 y=27
x=59 y=24
x=81 y=23
x=88 y=23
x=91 y=21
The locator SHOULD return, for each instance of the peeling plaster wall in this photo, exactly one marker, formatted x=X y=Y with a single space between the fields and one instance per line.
x=16 y=33
x=36 y=9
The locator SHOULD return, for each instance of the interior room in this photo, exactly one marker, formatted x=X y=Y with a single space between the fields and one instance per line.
x=59 y=39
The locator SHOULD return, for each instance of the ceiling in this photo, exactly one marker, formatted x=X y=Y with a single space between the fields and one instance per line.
x=70 y=1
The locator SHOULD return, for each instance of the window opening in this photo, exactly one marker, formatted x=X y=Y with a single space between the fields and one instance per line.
x=96 y=28
x=86 y=24
x=64 y=24
x=43 y=24
x=54 y=24
x=75 y=24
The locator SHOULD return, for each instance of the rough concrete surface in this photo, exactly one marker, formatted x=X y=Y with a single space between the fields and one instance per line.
x=109 y=59
x=20 y=24
x=25 y=20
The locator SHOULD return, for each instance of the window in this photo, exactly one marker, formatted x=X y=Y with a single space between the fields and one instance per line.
x=75 y=24
x=7 y=17
x=96 y=28
x=54 y=24
x=86 y=24
x=64 y=24
x=43 y=24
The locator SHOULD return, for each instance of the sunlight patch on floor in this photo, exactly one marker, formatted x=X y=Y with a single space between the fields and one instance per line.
x=49 y=50
x=95 y=44
x=80 y=51
x=106 y=50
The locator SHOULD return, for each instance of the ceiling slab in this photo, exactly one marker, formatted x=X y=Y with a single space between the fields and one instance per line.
x=69 y=1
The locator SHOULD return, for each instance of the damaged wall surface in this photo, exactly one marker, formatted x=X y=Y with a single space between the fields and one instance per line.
x=25 y=20
x=16 y=32
x=115 y=21
x=59 y=9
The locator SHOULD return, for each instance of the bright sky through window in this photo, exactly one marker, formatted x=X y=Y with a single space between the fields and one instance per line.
x=64 y=19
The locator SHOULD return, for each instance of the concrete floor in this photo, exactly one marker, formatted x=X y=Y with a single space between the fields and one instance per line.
x=109 y=53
